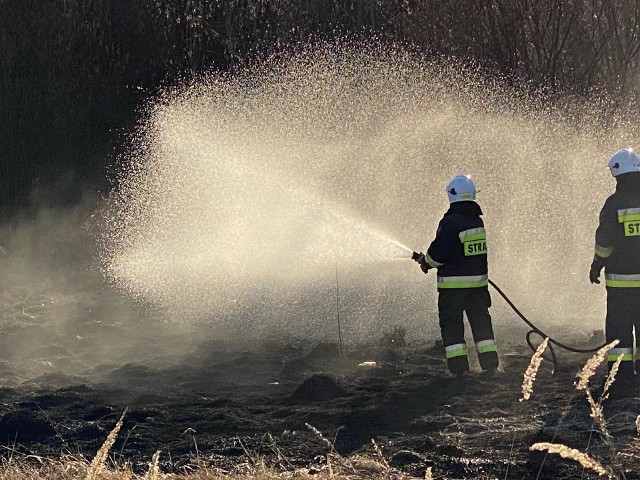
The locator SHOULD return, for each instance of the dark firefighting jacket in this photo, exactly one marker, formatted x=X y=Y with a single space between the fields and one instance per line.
x=617 y=245
x=459 y=251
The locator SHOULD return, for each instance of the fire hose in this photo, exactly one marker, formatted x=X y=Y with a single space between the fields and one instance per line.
x=534 y=330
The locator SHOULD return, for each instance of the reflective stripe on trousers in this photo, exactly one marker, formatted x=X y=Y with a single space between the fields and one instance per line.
x=485 y=346
x=614 y=353
x=457 y=350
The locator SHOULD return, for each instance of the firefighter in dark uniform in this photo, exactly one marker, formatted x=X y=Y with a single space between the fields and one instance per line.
x=459 y=253
x=617 y=249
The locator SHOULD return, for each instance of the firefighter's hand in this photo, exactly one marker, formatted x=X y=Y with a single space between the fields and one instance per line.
x=416 y=256
x=594 y=273
x=419 y=258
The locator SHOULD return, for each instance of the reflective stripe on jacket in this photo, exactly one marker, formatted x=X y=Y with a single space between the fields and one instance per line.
x=459 y=251
x=617 y=242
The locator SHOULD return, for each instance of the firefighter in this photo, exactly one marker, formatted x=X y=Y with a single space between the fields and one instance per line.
x=459 y=254
x=617 y=250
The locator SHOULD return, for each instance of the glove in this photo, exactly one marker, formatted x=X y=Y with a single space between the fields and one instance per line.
x=594 y=272
x=419 y=257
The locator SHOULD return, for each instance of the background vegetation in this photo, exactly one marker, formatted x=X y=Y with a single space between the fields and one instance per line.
x=73 y=72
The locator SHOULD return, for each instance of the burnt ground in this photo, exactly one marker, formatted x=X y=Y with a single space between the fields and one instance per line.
x=74 y=355
x=224 y=402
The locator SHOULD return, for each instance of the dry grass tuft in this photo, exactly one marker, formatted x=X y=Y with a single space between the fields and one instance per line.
x=98 y=462
x=597 y=414
x=571 y=453
x=592 y=364
x=154 y=470
x=358 y=467
x=363 y=466
x=583 y=385
x=532 y=370
x=611 y=377
x=319 y=435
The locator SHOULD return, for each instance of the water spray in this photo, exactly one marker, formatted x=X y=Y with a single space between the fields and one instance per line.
x=239 y=191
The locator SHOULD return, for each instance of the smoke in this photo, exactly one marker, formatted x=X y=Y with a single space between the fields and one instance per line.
x=246 y=199
x=59 y=319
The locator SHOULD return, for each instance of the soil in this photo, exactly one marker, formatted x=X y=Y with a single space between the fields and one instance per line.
x=226 y=402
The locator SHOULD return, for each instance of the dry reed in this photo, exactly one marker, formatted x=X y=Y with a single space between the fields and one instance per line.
x=592 y=364
x=154 y=470
x=98 y=462
x=378 y=451
x=367 y=469
x=318 y=434
x=583 y=385
x=597 y=414
x=611 y=377
x=571 y=453
x=532 y=370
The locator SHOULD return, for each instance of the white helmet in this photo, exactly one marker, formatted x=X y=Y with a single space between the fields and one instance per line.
x=461 y=188
x=624 y=161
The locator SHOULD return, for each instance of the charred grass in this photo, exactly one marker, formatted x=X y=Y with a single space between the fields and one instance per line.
x=603 y=455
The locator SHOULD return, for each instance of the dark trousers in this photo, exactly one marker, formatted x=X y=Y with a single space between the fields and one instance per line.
x=475 y=302
x=623 y=314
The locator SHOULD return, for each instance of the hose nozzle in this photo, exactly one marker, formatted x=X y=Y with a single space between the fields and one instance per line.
x=417 y=256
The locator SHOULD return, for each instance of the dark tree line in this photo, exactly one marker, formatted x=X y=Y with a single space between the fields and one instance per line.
x=580 y=46
x=73 y=71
